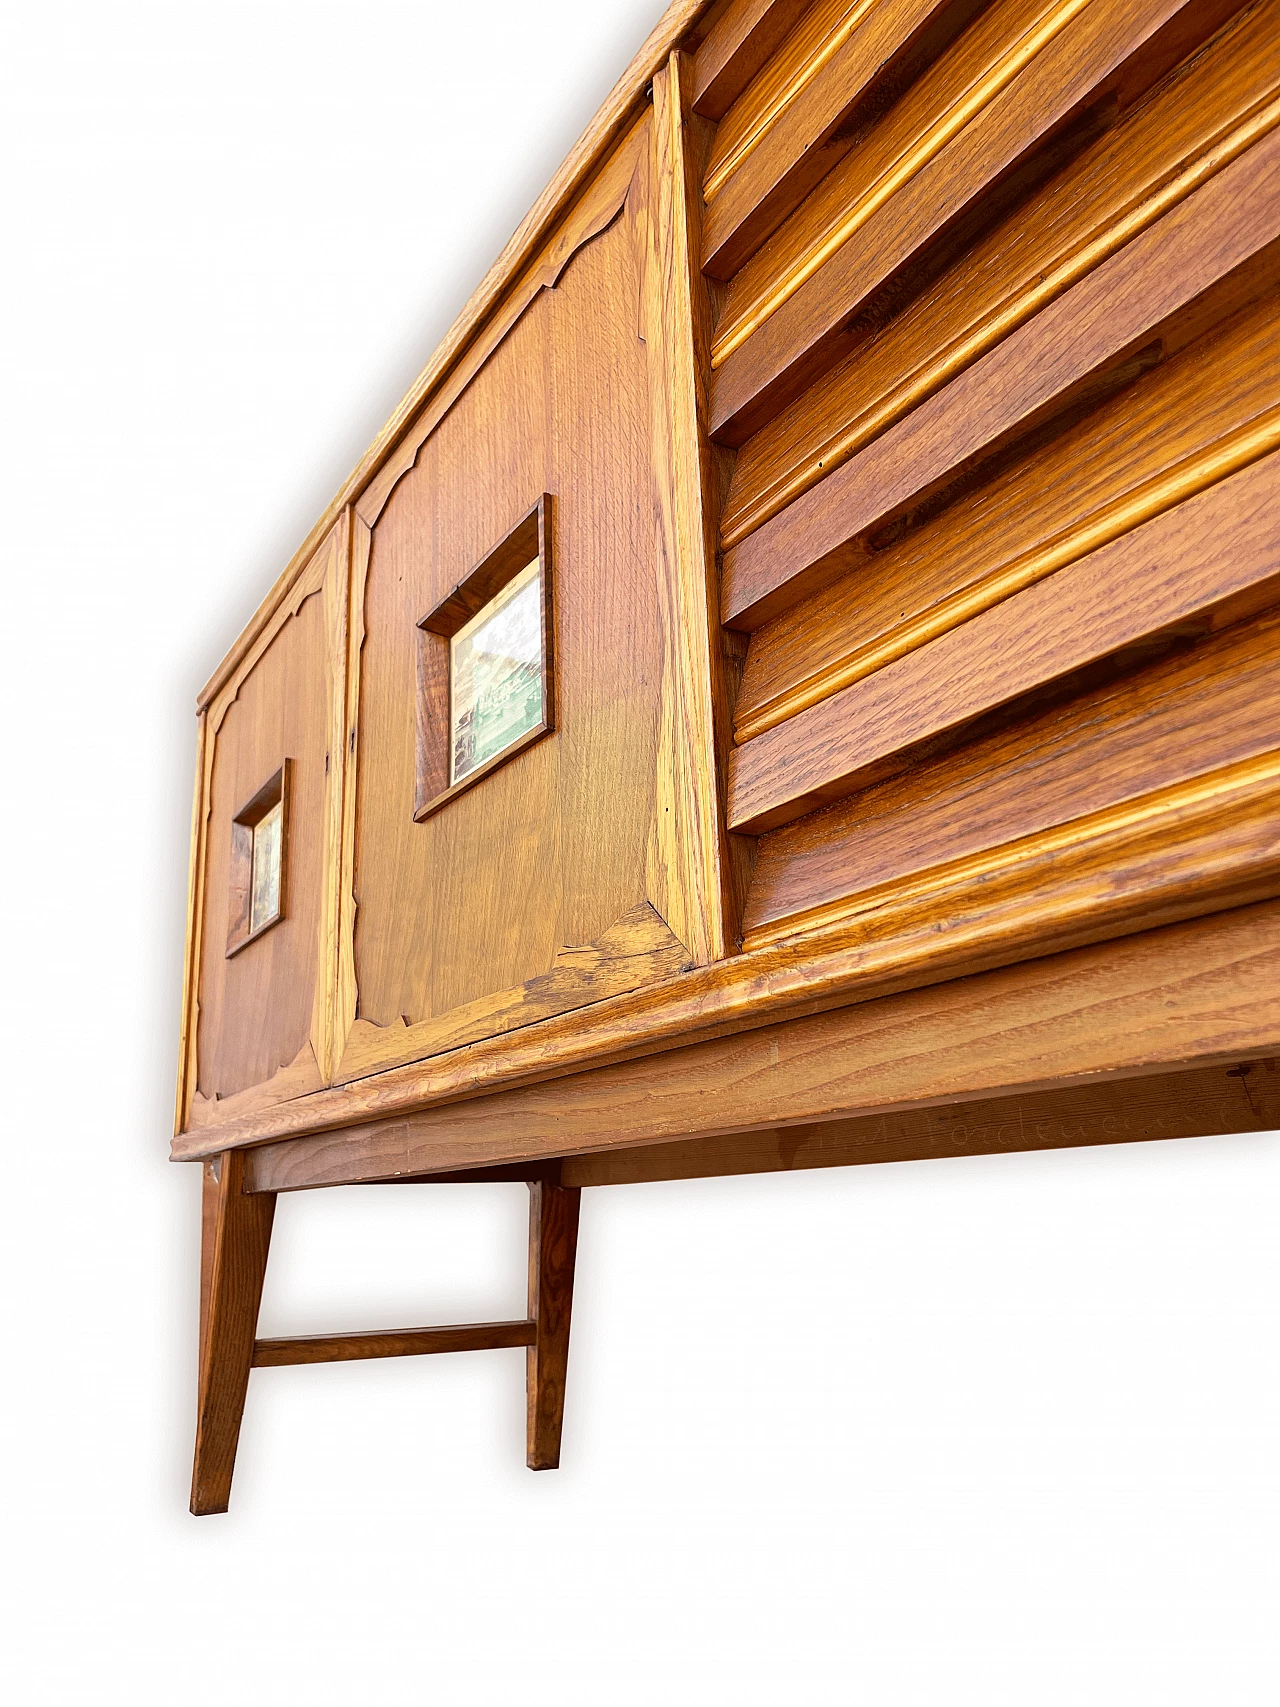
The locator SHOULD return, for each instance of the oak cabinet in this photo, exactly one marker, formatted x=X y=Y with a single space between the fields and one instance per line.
x=796 y=681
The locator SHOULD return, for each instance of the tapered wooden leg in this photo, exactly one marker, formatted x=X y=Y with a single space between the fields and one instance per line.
x=236 y=1237
x=553 y=1246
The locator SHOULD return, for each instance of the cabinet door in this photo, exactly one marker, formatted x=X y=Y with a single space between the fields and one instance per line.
x=571 y=871
x=266 y=849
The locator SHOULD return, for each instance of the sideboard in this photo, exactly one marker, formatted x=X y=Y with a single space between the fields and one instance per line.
x=796 y=682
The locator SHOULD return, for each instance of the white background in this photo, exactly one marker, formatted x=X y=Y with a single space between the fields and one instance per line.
x=995 y=1430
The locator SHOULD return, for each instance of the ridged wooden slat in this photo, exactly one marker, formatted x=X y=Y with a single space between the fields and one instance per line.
x=1157 y=292
x=1200 y=566
x=893 y=41
x=793 y=311
x=1196 y=121
x=1180 y=427
x=737 y=47
x=1190 y=715
x=914 y=130
x=819 y=32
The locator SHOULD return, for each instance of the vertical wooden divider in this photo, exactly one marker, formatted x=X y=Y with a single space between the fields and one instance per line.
x=346 y=991
x=327 y=1035
x=688 y=862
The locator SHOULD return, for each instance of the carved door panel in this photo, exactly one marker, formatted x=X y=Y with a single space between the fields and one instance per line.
x=563 y=876
x=267 y=856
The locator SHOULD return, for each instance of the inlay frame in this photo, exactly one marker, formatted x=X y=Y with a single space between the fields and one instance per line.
x=528 y=541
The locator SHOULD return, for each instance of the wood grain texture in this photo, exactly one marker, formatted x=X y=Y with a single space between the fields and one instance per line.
x=391 y=1342
x=190 y=999
x=297 y=1078
x=326 y=1021
x=614 y=809
x=1200 y=566
x=987 y=292
x=551 y=848
x=1175 y=432
x=1193 y=1103
x=1202 y=994
x=877 y=51
x=955 y=92
x=599 y=204
x=1189 y=733
x=819 y=32
x=345 y=992
x=793 y=310
x=736 y=47
x=1197 y=120
x=634 y=951
x=241 y=1234
x=553 y=1246
x=687 y=877
x=1124 y=306
x=1185 y=852
x=268 y=1006
x=210 y=1177
x=625 y=102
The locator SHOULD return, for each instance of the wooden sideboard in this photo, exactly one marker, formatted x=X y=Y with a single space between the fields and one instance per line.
x=797 y=680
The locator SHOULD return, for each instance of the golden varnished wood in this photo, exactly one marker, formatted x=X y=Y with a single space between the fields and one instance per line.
x=889 y=391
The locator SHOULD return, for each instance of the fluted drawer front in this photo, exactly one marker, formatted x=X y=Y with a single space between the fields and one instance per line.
x=994 y=369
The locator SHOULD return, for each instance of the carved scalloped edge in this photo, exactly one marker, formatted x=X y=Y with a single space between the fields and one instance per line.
x=597 y=210
x=635 y=950
x=296 y=1078
x=679 y=24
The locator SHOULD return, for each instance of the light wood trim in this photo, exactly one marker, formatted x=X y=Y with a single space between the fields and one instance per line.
x=943 y=366
x=736 y=46
x=323 y=574
x=911 y=162
x=297 y=1078
x=1175 y=821
x=391 y=1342
x=637 y=949
x=185 y=1091
x=1201 y=994
x=1144 y=503
x=1222 y=859
x=724 y=168
x=1225 y=231
x=688 y=841
x=346 y=997
x=336 y=593
x=1194 y=1103
x=623 y=101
